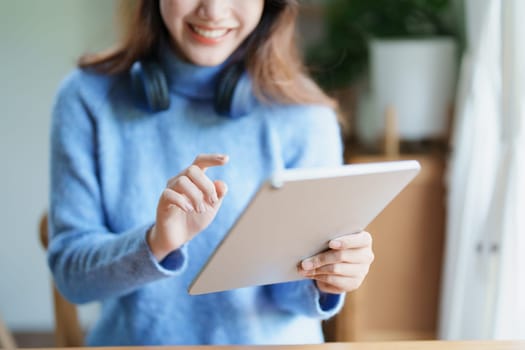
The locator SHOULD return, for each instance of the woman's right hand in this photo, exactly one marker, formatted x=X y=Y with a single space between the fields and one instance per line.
x=187 y=206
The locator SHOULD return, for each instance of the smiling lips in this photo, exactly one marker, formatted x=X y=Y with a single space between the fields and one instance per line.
x=208 y=36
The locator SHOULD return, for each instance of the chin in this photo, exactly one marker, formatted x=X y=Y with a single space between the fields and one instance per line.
x=208 y=58
x=208 y=62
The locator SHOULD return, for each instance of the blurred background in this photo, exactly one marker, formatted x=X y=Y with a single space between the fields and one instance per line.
x=440 y=81
x=40 y=42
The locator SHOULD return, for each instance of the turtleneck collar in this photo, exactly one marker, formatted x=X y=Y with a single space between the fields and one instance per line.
x=186 y=78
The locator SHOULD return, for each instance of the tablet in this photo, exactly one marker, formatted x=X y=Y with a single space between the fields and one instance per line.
x=294 y=215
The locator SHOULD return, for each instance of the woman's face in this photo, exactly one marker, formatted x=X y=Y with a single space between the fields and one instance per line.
x=207 y=32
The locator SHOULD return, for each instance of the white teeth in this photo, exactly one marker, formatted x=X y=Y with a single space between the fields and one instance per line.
x=210 y=33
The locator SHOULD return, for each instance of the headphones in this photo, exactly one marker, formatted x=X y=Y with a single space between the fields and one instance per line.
x=233 y=96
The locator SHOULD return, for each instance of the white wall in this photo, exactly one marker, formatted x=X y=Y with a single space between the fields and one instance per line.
x=39 y=43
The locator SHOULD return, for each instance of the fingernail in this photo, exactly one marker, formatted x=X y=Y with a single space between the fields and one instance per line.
x=201 y=208
x=335 y=244
x=220 y=157
x=307 y=264
x=304 y=272
x=189 y=207
x=214 y=199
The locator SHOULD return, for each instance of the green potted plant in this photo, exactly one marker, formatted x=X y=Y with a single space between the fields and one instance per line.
x=406 y=49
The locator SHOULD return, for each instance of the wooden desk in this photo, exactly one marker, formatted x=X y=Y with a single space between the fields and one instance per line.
x=410 y=345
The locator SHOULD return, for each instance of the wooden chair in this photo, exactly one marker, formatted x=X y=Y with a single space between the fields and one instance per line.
x=68 y=332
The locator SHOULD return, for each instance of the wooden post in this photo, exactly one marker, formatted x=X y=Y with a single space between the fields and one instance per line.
x=391 y=136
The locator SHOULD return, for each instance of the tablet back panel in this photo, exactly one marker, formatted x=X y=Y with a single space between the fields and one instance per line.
x=294 y=215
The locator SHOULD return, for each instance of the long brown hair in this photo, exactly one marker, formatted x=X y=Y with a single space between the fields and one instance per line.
x=270 y=52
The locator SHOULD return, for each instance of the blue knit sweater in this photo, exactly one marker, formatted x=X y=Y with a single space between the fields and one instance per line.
x=110 y=161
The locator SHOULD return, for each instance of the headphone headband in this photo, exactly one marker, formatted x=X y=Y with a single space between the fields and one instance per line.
x=233 y=94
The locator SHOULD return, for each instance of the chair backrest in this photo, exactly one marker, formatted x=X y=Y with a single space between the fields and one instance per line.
x=68 y=332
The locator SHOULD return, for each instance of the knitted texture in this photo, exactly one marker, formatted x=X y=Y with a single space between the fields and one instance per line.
x=110 y=161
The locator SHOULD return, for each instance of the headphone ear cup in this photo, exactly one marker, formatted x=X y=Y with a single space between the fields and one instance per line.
x=150 y=85
x=234 y=94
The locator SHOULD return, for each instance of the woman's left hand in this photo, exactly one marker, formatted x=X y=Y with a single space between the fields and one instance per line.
x=344 y=266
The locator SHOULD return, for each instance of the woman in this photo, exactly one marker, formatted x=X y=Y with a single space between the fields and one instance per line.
x=158 y=146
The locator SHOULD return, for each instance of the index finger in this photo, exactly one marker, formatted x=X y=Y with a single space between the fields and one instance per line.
x=353 y=240
x=205 y=161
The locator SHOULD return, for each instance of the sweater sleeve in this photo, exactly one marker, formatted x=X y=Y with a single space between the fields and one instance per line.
x=315 y=141
x=88 y=261
x=303 y=297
